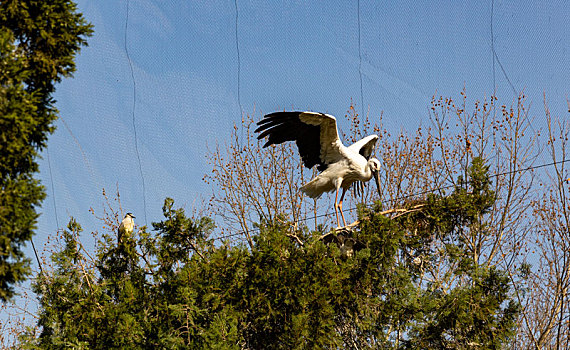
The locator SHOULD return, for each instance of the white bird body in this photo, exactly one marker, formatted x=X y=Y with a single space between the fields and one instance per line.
x=316 y=136
x=127 y=225
x=346 y=171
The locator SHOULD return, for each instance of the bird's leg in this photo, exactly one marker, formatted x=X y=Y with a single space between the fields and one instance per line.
x=340 y=205
x=336 y=207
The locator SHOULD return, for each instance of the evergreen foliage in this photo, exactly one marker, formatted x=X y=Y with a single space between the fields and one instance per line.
x=38 y=43
x=174 y=288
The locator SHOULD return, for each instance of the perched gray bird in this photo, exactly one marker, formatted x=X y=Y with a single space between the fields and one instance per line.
x=316 y=136
x=127 y=225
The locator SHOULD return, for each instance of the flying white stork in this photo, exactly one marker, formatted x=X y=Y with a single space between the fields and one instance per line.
x=127 y=225
x=316 y=136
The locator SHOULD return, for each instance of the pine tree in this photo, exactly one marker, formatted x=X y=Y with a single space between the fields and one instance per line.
x=174 y=288
x=38 y=43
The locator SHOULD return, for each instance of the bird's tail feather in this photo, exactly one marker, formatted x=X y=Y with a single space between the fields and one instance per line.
x=317 y=186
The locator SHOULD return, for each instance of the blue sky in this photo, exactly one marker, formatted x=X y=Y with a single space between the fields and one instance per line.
x=297 y=54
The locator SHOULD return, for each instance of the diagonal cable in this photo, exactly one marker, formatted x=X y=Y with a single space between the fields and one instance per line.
x=417 y=194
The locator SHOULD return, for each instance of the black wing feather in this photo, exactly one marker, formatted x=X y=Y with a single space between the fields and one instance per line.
x=363 y=153
x=287 y=126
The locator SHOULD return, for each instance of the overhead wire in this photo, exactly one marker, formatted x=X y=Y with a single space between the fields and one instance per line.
x=53 y=193
x=415 y=194
x=360 y=59
x=238 y=66
x=133 y=112
x=76 y=140
x=495 y=57
x=52 y=189
x=54 y=209
x=493 y=46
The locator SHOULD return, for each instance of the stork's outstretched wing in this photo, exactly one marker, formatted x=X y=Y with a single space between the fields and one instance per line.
x=365 y=146
x=316 y=135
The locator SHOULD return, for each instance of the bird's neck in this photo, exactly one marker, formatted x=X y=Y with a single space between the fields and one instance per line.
x=367 y=173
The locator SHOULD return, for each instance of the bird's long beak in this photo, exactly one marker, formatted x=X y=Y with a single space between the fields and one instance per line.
x=377 y=179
